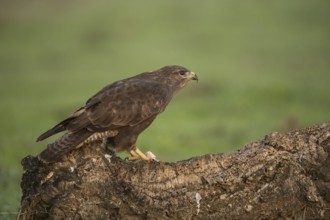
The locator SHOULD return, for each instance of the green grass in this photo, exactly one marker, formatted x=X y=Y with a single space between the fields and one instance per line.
x=263 y=66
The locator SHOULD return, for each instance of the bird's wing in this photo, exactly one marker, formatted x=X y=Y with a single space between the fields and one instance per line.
x=122 y=103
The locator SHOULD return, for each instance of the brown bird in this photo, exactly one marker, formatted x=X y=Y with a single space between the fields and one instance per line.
x=118 y=112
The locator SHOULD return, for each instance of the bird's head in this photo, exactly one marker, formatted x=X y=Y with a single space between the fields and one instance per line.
x=175 y=76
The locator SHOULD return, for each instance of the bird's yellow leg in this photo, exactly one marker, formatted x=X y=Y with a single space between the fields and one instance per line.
x=134 y=156
x=141 y=154
x=137 y=154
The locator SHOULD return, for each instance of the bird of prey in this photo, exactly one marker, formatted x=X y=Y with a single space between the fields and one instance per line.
x=119 y=112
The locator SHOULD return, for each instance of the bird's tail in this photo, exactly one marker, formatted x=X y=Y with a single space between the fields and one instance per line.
x=56 y=129
x=63 y=145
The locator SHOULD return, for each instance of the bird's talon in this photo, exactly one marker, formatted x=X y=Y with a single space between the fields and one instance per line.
x=137 y=154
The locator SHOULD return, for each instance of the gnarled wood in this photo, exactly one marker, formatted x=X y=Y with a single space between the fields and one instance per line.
x=282 y=176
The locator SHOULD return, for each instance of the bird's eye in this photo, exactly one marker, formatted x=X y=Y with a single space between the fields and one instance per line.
x=183 y=73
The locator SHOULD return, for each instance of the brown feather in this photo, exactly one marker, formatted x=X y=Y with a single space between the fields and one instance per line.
x=62 y=146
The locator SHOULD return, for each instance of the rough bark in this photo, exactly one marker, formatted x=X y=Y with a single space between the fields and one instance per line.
x=283 y=176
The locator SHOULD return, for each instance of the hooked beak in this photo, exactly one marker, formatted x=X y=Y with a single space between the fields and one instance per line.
x=193 y=76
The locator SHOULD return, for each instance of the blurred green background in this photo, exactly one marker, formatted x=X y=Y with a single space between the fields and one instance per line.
x=262 y=65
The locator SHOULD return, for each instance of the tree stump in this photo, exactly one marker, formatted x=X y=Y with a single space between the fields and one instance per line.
x=283 y=176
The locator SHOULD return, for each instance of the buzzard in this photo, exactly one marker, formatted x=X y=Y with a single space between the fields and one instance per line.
x=119 y=112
